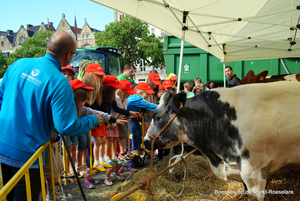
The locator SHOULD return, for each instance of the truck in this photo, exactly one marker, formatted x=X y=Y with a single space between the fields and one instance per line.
x=107 y=57
x=199 y=63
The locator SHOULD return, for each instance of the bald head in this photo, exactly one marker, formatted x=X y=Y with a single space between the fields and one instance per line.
x=60 y=43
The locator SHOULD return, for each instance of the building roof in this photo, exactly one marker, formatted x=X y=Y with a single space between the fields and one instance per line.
x=75 y=30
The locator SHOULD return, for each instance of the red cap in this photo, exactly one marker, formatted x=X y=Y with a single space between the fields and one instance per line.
x=112 y=80
x=146 y=87
x=95 y=68
x=68 y=67
x=155 y=78
x=161 y=87
x=76 y=84
x=127 y=86
x=173 y=79
x=167 y=83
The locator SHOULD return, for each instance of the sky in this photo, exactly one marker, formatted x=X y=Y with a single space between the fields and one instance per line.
x=15 y=13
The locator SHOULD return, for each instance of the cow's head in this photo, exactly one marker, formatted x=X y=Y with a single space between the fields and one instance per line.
x=169 y=105
x=252 y=78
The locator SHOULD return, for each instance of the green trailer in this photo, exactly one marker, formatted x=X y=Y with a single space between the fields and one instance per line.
x=199 y=63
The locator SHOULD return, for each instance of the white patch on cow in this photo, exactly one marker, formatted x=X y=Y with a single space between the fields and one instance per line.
x=291 y=78
x=227 y=171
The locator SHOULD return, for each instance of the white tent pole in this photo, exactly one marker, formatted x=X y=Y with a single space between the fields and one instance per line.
x=180 y=63
x=224 y=75
x=284 y=67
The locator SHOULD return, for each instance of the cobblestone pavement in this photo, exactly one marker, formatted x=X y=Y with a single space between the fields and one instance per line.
x=101 y=192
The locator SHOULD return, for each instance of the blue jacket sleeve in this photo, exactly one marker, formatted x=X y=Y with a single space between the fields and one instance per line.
x=146 y=105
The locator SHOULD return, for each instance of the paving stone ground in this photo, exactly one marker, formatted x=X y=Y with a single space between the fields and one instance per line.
x=101 y=192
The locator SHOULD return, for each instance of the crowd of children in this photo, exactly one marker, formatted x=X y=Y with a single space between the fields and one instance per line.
x=114 y=99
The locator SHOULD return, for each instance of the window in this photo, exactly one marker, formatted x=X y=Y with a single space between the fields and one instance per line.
x=88 y=35
x=153 y=30
x=83 y=36
x=122 y=16
x=22 y=39
x=2 y=43
x=162 y=33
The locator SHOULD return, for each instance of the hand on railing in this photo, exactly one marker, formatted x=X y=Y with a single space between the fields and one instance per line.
x=135 y=114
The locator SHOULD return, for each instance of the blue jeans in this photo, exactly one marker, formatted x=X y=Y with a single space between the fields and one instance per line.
x=84 y=141
x=136 y=131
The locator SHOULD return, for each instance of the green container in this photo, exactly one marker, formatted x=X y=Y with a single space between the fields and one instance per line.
x=199 y=63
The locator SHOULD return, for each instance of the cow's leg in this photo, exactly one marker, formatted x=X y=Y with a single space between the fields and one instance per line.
x=255 y=178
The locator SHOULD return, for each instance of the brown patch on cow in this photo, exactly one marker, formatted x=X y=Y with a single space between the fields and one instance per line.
x=265 y=171
x=298 y=77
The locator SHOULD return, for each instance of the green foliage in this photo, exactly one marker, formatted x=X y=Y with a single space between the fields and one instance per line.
x=32 y=47
x=132 y=37
x=3 y=64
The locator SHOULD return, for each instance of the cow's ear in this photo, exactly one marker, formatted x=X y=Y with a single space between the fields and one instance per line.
x=178 y=102
x=263 y=75
x=250 y=72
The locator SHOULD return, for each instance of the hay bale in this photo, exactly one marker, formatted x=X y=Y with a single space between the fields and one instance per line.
x=201 y=183
x=168 y=185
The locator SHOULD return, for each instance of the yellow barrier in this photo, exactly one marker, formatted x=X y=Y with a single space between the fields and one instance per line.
x=25 y=171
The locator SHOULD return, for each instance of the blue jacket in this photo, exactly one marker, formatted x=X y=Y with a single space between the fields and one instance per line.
x=35 y=97
x=136 y=102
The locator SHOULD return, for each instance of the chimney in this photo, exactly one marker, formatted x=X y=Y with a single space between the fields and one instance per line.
x=9 y=32
x=29 y=26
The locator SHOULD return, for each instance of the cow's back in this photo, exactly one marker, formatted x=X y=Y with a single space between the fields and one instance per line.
x=267 y=120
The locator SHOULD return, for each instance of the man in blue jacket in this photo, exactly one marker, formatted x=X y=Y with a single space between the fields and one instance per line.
x=35 y=97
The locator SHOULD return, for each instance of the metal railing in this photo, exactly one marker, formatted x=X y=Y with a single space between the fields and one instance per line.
x=24 y=171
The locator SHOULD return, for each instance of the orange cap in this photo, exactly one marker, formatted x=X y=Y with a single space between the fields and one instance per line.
x=76 y=84
x=95 y=68
x=68 y=67
x=167 y=83
x=127 y=86
x=146 y=87
x=113 y=81
x=162 y=87
x=155 y=78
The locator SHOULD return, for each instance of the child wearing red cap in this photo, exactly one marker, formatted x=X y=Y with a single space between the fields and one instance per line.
x=81 y=94
x=68 y=72
x=71 y=142
x=94 y=77
x=134 y=103
x=111 y=84
x=121 y=100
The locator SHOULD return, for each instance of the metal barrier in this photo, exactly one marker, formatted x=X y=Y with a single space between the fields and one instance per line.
x=38 y=154
x=25 y=171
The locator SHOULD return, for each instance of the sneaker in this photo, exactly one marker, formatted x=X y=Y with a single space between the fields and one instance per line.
x=99 y=167
x=118 y=176
x=107 y=181
x=105 y=164
x=125 y=157
x=88 y=184
x=94 y=181
x=109 y=161
x=49 y=196
x=118 y=161
x=60 y=193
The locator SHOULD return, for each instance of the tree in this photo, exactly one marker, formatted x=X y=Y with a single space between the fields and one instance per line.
x=3 y=64
x=32 y=47
x=133 y=38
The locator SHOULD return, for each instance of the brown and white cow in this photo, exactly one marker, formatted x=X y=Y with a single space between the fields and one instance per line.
x=262 y=77
x=246 y=132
